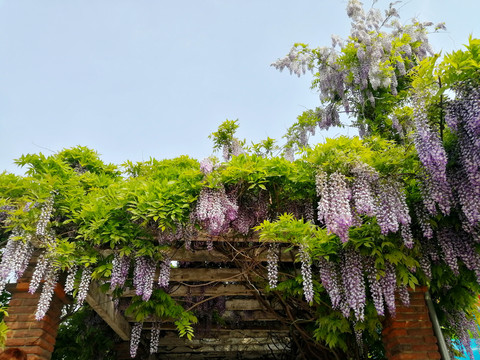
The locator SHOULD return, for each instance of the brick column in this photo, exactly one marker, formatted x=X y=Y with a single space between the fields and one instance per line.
x=36 y=338
x=410 y=336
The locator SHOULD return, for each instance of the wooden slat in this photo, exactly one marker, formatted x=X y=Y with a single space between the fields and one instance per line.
x=231 y=238
x=205 y=274
x=215 y=256
x=246 y=319
x=211 y=290
x=262 y=348
x=103 y=305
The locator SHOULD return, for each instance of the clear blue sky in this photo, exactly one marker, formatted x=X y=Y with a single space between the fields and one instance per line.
x=151 y=78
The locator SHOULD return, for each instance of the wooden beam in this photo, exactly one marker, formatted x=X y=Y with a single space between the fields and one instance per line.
x=210 y=290
x=206 y=275
x=261 y=348
x=244 y=304
x=215 y=256
x=103 y=305
x=223 y=341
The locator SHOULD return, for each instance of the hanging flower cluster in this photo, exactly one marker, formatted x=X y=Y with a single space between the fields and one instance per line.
x=143 y=277
x=84 y=285
x=251 y=211
x=305 y=260
x=436 y=188
x=46 y=296
x=371 y=195
x=16 y=256
x=334 y=205
x=135 y=336
x=272 y=265
x=215 y=210
x=354 y=285
x=345 y=285
x=46 y=213
x=120 y=267
x=463 y=116
x=356 y=86
x=154 y=337
x=70 y=280
x=164 y=276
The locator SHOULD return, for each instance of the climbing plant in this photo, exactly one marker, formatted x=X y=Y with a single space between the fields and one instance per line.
x=368 y=216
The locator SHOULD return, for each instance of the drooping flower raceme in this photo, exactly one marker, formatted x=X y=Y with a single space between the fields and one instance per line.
x=47 y=293
x=306 y=273
x=215 y=210
x=206 y=166
x=362 y=191
x=374 y=283
x=154 y=337
x=84 y=285
x=135 y=338
x=272 y=265
x=44 y=264
x=164 y=275
x=389 y=284
x=334 y=204
x=120 y=267
x=46 y=213
x=432 y=154
x=143 y=277
x=330 y=278
x=352 y=276
x=70 y=280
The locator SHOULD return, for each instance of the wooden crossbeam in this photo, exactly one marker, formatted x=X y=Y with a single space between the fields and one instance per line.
x=103 y=305
x=261 y=348
x=215 y=256
x=178 y=291
x=206 y=275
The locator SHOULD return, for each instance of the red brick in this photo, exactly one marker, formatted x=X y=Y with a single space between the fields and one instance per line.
x=414 y=302
x=412 y=316
x=409 y=336
x=37 y=338
x=431 y=339
x=420 y=332
x=412 y=309
x=391 y=332
x=410 y=356
x=425 y=347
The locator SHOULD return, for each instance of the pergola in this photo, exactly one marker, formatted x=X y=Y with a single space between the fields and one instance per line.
x=256 y=325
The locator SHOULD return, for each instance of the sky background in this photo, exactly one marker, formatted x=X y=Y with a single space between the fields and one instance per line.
x=150 y=78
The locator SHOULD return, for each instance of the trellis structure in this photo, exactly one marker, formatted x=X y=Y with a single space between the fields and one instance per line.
x=255 y=325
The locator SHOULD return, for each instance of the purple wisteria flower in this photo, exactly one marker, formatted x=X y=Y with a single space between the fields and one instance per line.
x=334 y=204
x=84 y=285
x=306 y=273
x=215 y=210
x=154 y=337
x=120 y=267
x=143 y=277
x=331 y=281
x=164 y=275
x=272 y=265
x=47 y=293
x=135 y=338
x=352 y=276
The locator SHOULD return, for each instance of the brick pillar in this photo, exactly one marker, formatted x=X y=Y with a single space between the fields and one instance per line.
x=410 y=336
x=36 y=338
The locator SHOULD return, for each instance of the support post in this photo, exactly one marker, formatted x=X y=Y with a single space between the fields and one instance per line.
x=409 y=335
x=36 y=338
